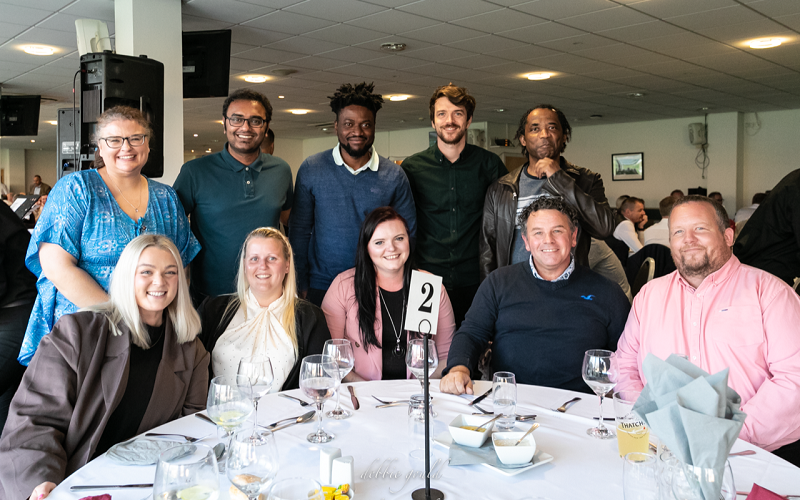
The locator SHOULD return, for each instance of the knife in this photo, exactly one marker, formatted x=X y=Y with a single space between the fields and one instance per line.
x=204 y=417
x=353 y=397
x=481 y=398
x=292 y=420
x=108 y=486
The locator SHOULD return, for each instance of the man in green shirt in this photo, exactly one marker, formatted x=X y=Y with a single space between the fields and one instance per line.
x=449 y=181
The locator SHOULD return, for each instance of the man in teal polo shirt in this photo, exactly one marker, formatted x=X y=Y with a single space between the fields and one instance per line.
x=449 y=182
x=230 y=193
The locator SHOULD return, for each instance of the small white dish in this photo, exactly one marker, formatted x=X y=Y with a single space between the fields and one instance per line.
x=471 y=438
x=539 y=458
x=509 y=454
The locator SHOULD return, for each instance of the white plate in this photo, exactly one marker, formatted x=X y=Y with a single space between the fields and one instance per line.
x=539 y=458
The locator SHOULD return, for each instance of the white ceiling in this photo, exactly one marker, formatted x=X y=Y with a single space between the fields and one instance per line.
x=685 y=55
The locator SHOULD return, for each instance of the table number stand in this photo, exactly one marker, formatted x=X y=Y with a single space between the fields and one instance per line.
x=423 y=311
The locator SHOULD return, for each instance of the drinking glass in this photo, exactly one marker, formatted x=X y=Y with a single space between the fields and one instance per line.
x=416 y=429
x=186 y=471
x=697 y=483
x=632 y=434
x=319 y=379
x=296 y=488
x=229 y=403
x=342 y=352
x=415 y=359
x=639 y=477
x=504 y=397
x=252 y=461
x=258 y=369
x=599 y=371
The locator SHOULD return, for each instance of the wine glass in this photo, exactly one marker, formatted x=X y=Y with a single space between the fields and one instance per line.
x=319 y=379
x=258 y=369
x=252 y=461
x=599 y=371
x=186 y=471
x=415 y=359
x=296 y=488
x=504 y=398
x=229 y=403
x=342 y=352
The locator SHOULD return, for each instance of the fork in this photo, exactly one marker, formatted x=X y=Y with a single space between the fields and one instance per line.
x=390 y=402
x=302 y=403
x=187 y=438
x=563 y=408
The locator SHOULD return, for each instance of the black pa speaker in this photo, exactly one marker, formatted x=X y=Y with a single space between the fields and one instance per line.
x=109 y=80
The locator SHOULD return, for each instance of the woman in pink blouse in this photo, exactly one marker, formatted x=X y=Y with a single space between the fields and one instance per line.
x=367 y=304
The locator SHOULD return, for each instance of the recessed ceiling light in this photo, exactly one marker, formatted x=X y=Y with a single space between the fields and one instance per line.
x=39 y=50
x=393 y=47
x=281 y=97
x=298 y=111
x=255 y=78
x=33 y=140
x=195 y=135
x=704 y=108
x=193 y=151
x=538 y=76
x=398 y=97
x=765 y=43
x=636 y=95
x=499 y=110
x=220 y=122
x=52 y=122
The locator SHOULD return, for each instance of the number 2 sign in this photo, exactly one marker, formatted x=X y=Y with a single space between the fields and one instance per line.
x=423 y=302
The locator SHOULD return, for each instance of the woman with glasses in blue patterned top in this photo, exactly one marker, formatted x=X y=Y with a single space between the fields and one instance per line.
x=89 y=218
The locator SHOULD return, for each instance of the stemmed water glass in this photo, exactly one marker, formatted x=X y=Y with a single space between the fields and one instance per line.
x=252 y=461
x=599 y=371
x=415 y=359
x=229 y=403
x=258 y=369
x=187 y=471
x=319 y=379
x=342 y=352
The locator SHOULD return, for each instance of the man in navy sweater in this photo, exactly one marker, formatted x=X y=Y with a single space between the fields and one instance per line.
x=336 y=189
x=542 y=314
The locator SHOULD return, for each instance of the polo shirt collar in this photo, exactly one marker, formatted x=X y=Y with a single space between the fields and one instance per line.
x=372 y=164
x=564 y=276
x=238 y=166
x=718 y=276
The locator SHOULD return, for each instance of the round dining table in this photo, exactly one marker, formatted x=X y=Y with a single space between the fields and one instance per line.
x=378 y=440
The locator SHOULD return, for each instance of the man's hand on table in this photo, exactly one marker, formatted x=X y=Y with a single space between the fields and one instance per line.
x=43 y=490
x=457 y=381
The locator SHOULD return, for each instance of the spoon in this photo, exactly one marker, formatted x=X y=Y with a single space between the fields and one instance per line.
x=480 y=429
x=533 y=428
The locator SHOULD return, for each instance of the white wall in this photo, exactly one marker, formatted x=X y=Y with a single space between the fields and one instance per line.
x=770 y=151
x=12 y=161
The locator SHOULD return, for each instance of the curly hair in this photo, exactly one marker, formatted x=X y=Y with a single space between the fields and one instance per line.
x=248 y=95
x=356 y=95
x=548 y=203
x=562 y=119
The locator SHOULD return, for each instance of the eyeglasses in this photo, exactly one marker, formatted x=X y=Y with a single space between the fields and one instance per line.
x=116 y=142
x=254 y=121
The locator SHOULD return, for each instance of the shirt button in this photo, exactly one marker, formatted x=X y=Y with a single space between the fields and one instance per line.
x=452 y=189
x=693 y=324
x=247 y=169
x=248 y=182
x=694 y=358
x=454 y=210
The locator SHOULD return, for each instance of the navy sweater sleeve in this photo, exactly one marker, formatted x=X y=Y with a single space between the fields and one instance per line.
x=301 y=223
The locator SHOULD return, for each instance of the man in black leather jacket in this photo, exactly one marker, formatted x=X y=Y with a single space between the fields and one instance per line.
x=543 y=133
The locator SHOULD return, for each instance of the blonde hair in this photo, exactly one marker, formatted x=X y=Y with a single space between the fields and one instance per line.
x=289 y=282
x=122 y=306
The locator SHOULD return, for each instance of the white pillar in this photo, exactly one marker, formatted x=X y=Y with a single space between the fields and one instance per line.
x=725 y=150
x=153 y=28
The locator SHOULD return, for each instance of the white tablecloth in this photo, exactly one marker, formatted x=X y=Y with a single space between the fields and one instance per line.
x=583 y=467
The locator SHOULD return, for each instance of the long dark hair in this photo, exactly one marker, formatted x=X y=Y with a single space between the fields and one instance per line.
x=365 y=281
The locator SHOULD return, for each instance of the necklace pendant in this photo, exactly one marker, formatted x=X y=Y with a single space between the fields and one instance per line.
x=398 y=350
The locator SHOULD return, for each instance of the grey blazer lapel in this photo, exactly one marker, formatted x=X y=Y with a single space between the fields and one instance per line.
x=114 y=374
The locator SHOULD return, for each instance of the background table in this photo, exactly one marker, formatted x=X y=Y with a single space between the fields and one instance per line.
x=583 y=467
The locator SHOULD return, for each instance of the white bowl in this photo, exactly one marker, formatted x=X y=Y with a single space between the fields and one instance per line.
x=513 y=455
x=466 y=437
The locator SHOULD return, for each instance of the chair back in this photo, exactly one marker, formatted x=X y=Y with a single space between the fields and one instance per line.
x=644 y=275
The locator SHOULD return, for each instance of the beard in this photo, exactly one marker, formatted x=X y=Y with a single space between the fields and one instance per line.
x=460 y=133
x=356 y=153
x=699 y=265
x=543 y=149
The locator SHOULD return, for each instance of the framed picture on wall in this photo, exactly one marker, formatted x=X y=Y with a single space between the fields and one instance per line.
x=627 y=167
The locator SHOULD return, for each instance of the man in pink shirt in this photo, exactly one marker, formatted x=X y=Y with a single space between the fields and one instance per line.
x=722 y=314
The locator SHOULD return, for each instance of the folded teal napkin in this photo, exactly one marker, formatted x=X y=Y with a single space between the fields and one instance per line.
x=695 y=414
